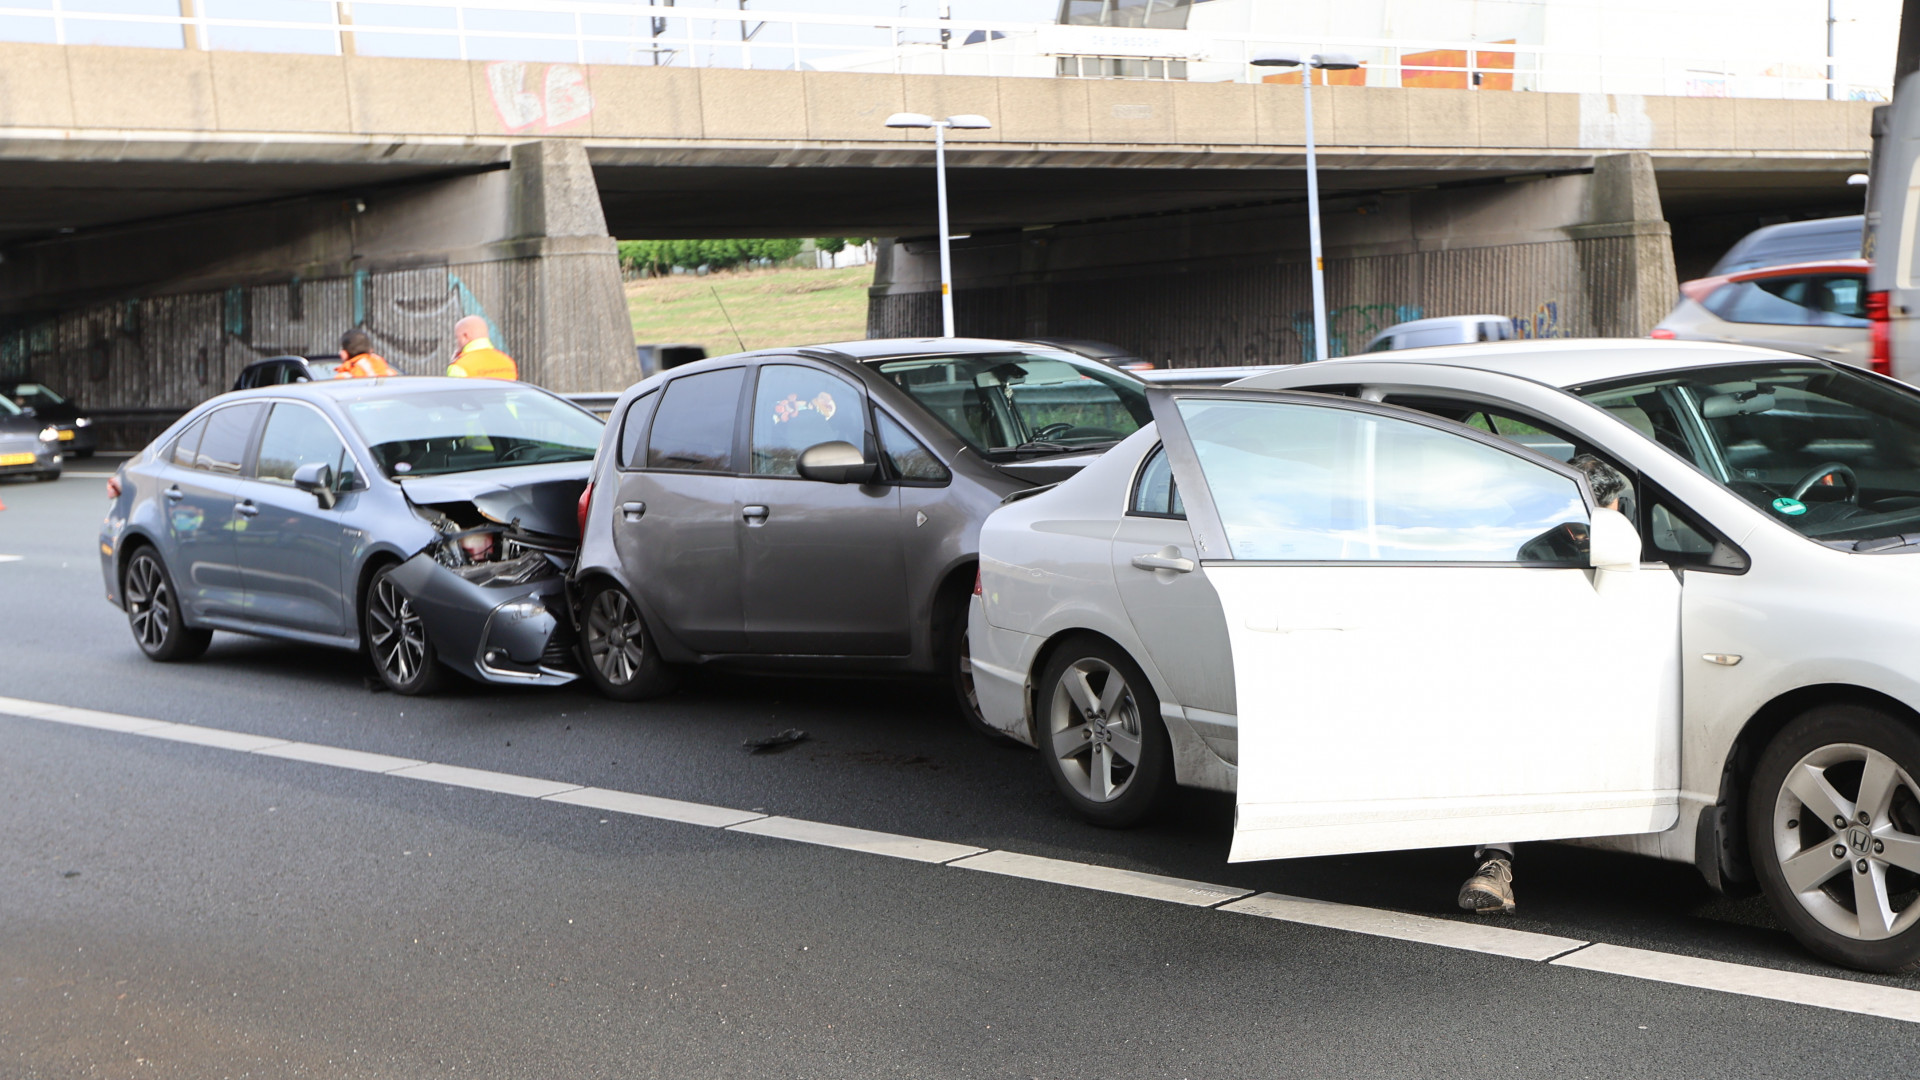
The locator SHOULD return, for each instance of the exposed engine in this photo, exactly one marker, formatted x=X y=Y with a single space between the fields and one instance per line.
x=487 y=553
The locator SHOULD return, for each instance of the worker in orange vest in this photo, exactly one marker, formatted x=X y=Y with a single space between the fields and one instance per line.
x=358 y=360
x=475 y=357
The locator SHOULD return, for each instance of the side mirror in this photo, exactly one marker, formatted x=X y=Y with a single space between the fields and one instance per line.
x=28 y=410
x=1612 y=542
x=837 y=463
x=316 y=477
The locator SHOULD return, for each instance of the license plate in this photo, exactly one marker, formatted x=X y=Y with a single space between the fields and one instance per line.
x=66 y=435
x=16 y=459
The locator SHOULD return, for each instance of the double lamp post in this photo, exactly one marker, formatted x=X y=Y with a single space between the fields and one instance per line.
x=972 y=122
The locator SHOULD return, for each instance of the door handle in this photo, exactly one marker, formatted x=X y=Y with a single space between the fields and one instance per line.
x=633 y=511
x=245 y=508
x=1156 y=561
x=174 y=494
x=755 y=515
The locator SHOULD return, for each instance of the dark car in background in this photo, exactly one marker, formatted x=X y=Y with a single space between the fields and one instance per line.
x=820 y=507
x=76 y=434
x=428 y=520
x=285 y=370
x=29 y=446
x=1818 y=240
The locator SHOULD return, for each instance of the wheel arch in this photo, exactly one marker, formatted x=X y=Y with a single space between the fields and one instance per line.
x=375 y=561
x=1044 y=655
x=1720 y=850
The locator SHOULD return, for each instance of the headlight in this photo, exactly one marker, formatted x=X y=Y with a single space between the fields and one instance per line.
x=49 y=434
x=522 y=609
x=85 y=421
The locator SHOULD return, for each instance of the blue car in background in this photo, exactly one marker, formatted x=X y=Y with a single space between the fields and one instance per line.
x=430 y=521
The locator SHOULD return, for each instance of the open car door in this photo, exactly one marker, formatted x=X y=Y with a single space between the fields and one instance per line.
x=1436 y=641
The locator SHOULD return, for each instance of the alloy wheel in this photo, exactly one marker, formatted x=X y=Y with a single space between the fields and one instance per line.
x=1094 y=729
x=149 y=602
x=1846 y=831
x=616 y=638
x=399 y=640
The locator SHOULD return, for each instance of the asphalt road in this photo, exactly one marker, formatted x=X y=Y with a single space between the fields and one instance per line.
x=172 y=910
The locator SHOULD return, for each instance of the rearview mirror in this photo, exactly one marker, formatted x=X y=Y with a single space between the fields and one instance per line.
x=316 y=477
x=1612 y=543
x=837 y=463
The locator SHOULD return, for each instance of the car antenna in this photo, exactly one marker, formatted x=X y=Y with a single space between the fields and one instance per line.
x=729 y=318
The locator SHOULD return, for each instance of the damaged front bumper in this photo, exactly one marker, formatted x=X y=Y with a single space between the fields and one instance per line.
x=499 y=622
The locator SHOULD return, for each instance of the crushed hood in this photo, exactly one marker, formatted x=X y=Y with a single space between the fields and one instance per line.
x=542 y=498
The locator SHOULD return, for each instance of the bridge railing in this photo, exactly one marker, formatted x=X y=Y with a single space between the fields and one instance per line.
x=678 y=35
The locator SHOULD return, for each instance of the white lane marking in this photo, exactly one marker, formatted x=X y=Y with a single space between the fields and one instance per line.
x=1474 y=937
x=338 y=757
x=1841 y=995
x=1102 y=878
x=652 y=806
x=841 y=836
x=481 y=779
x=11 y=558
x=65 y=473
x=1820 y=991
x=209 y=736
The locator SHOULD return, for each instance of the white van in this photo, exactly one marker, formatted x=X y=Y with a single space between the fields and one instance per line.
x=1445 y=330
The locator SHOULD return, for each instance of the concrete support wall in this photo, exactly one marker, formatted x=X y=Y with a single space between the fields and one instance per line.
x=145 y=321
x=1585 y=254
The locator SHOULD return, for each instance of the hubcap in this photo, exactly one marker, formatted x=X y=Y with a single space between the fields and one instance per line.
x=1094 y=724
x=616 y=639
x=1846 y=830
x=149 y=602
x=399 y=640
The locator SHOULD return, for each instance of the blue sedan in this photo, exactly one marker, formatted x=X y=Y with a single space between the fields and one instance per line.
x=429 y=521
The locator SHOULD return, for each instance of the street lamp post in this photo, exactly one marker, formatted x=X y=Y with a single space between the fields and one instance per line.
x=963 y=122
x=1322 y=62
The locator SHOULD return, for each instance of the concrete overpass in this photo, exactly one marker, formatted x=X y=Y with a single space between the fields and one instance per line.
x=167 y=214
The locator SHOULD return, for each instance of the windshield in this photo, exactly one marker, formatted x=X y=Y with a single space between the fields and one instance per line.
x=473 y=428
x=1013 y=403
x=1828 y=451
x=7 y=407
x=35 y=396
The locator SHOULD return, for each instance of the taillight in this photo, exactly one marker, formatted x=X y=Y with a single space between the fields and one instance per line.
x=1879 y=334
x=580 y=514
x=1662 y=333
x=113 y=486
x=977 y=590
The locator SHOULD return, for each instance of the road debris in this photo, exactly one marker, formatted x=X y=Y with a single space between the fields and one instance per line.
x=773 y=744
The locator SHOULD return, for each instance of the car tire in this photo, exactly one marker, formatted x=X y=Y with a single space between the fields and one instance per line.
x=397 y=638
x=1104 y=745
x=153 y=610
x=956 y=659
x=48 y=477
x=1817 y=861
x=617 y=651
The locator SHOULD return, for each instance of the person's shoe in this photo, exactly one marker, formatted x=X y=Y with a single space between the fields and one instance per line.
x=1490 y=890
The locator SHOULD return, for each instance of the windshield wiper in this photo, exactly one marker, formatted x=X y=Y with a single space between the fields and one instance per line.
x=1887 y=543
x=1048 y=445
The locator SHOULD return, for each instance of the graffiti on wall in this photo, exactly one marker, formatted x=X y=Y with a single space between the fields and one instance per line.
x=552 y=97
x=1349 y=328
x=1543 y=323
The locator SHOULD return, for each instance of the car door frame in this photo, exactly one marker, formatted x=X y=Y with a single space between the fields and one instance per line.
x=1638 y=811
x=344 y=511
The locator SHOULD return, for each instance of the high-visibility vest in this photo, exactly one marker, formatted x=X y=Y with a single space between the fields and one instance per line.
x=480 y=360
x=365 y=366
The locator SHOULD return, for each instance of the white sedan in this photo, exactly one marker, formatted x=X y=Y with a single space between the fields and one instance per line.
x=1370 y=597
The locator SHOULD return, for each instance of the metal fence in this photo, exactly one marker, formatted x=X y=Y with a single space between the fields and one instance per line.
x=882 y=40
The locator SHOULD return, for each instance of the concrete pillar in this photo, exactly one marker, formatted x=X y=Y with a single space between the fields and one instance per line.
x=1631 y=283
x=146 y=320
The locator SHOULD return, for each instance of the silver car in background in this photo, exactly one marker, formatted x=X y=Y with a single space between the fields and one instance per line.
x=1368 y=596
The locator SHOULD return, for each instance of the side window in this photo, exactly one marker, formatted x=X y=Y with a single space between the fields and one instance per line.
x=297 y=435
x=693 y=430
x=908 y=459
x=224 y=446
x=1515 y=427
x=188 y=443
x=1327 y=484
x=633 y=428
x=1673 y=535
x=1775 y=301
x=1155 y=494
x=797 y=407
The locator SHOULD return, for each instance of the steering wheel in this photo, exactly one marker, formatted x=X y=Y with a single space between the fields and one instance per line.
x=1826 y=469
x=1053 y=429
x=515 y=451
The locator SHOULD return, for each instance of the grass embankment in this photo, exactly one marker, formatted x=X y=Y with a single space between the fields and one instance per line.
x=769 y=307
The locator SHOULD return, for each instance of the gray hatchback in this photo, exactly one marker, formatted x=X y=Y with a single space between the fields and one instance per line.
x=822 y=505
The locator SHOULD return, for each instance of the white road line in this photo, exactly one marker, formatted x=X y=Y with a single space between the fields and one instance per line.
x=850 y=839
x=626 y=802
x=482 y=780
x=1472 y=936
x=11 y=558
x=1820 y=991
x=1843 y=995
x=1102 y=878
x=69 y=474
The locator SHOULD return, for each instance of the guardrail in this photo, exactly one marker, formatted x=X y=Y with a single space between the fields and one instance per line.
x=881 y=39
